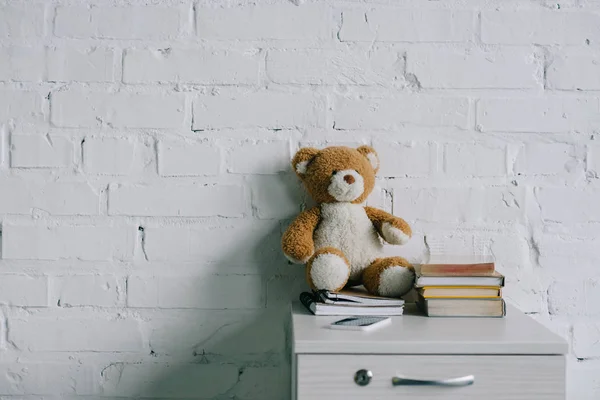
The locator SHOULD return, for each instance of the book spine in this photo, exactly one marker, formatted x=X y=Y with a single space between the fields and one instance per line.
x=458 y=270
x=307 y=300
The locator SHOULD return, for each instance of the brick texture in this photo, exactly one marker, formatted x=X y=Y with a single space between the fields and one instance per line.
x=145 y=175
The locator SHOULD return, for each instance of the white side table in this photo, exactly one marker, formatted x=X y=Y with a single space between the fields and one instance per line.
x=511 y=358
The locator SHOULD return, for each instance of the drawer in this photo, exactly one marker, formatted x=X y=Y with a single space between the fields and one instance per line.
x=510 y=377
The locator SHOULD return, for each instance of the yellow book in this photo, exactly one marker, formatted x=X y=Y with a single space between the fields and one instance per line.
x=466 y=292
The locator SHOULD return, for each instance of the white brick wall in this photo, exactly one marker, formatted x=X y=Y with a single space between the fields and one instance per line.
x=22 y=63
x=83 y=109
x=468 y=68
x=29 y=151
x=205 y=66
x=145 y=178
x=19 y=21
x=95 y=64
x=108 y=156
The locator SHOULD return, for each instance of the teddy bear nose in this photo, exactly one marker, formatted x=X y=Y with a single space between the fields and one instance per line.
x=349 y=179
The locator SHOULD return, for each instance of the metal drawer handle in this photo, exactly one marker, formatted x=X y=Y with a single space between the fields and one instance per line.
x=462 y=381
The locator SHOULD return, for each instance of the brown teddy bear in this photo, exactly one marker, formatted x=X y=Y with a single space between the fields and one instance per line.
x=339 y=240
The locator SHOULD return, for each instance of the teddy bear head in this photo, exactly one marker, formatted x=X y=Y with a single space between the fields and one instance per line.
x=337 y=174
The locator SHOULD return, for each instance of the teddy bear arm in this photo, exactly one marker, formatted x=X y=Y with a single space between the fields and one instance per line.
x=392 y=229
x=297 y=242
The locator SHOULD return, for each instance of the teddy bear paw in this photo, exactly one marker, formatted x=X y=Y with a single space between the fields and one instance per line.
x=393 y=235
x=395 y=281
x=328 y=272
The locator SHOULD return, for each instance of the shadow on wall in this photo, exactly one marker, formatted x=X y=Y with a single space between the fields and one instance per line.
x=236 y=352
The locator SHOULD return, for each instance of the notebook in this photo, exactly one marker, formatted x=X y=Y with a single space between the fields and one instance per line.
x=357 y=296
x=496 y=279
x=318 y=308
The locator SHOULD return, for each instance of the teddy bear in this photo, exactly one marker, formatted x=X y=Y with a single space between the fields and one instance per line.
x=340 y=240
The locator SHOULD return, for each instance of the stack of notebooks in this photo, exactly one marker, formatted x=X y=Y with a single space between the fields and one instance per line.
x=355 y=301
x=460 y=289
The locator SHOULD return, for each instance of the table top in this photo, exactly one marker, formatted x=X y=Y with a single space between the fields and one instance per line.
x=414 y=333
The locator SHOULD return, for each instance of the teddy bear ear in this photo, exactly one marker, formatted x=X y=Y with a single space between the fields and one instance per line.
x=371 y=155
x=302 y=158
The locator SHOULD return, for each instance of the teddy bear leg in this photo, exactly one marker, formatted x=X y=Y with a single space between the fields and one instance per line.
x=327 y=269
x=391 y=277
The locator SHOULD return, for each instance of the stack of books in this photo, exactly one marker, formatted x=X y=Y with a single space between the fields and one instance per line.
x=355 y=302
x=460 y=289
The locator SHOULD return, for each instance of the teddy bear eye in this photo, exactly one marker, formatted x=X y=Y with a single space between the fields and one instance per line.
x=335 y=171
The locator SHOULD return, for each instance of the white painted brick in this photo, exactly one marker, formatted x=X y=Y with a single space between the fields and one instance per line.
x=86 y=290
x=45 y=242
x=22 y=63
x=23 y=290
x=196 y=327
x=433 y=204
x=564 y=258
x=168 y=243
x=95 y=64
x=544 y=114
x=108 y=156
x=21 y=21
x=53 y=198
x=380 y=198
x=593 y=158
x=259 y=158
x=379 y=66
x=201 y=333
x=67 y=199
x=46 y=378
x=276 y=198
x=546 y=159
x=20 y=105
x=28 y=151
x=79 y=109
x=462 y=159
x=539 y=26
x=259 y=109
x=178 y=200
x=238 y=239
x=282 y=289
x=205 y=66
x=569 y=205
x=185 y=380
x=185 y=158
x=20 y=200
x=583 y=380
x=511 y=251
x=61 y=332
x=525 y=295
x=134 y=22
x=263 y=382
x=389 y=113
x=566 y=298
x=586 y=343
x=459 y=204
x=405 y=158
x=395 y=25
x=206 y=291
x=592 y=295
x=355 y=27
x=466 y=68
x=266 y=21
x=454 y=241
x=575 y=69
